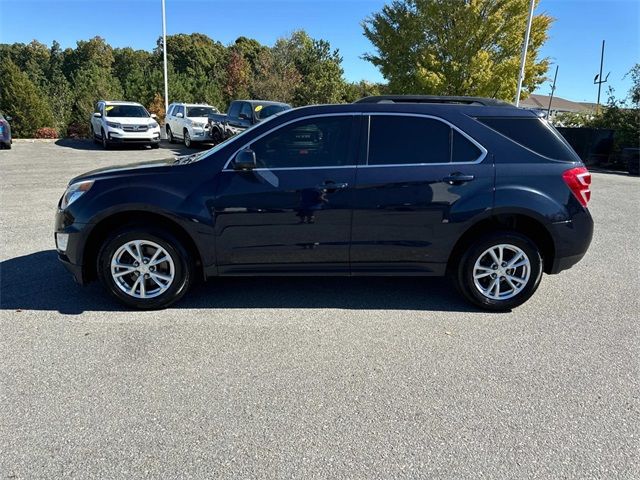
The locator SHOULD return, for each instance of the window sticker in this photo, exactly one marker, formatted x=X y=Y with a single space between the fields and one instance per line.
x=258 y=108
x=110 y=107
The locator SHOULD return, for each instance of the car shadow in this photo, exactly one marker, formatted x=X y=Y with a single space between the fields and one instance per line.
x=87 y=145
x=38 y=281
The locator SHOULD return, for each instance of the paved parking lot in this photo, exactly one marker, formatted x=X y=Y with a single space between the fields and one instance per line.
x=313 y=378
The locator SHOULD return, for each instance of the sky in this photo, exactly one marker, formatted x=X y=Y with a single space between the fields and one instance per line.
x=574 y=44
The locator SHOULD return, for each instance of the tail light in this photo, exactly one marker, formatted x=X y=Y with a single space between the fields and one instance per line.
x=579 y=182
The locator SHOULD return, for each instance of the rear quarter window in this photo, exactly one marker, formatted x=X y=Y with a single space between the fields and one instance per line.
x=533 y=134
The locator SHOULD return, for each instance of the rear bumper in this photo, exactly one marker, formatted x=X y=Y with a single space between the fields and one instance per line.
x=572 y=240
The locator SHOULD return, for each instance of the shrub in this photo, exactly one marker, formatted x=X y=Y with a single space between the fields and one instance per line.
x=78 y=130
x=46 y=132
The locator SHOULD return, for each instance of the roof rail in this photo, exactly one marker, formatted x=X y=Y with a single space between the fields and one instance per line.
x=487 y=102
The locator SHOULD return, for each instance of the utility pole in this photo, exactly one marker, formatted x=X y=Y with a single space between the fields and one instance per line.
x=164 y=52
x=598 y=79
x=553 y=89
x=525 y=45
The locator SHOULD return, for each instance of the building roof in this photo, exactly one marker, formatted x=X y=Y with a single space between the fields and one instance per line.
x=541 y=102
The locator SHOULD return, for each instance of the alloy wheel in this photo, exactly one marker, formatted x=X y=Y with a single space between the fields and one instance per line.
x=142 y=269
x=501 y=272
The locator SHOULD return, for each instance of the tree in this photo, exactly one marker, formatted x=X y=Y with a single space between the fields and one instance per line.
x=90 y=84
x=317 y=64
x=23 y=100
x=456 y=47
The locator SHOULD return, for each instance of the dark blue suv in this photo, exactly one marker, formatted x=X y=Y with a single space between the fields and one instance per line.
x=476 y=189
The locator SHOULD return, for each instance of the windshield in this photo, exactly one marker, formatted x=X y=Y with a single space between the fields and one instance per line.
x=200 y=111
x=265 y=111
x=136 y=111
x=202 y=155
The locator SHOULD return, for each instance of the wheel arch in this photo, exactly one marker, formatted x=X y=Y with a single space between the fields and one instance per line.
x=519 y=222
x=102 y=229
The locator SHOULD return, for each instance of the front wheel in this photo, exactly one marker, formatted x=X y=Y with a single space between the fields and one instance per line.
x=500 y=271
x=105 y=141
x=187 y=138
x=145 y=268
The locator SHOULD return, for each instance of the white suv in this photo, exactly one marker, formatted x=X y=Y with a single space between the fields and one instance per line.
x=124 y=122
x=188 y=121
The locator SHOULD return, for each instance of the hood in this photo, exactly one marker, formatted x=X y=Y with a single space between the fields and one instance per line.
x=160 y=166
x=131 y=120
x=199 y=119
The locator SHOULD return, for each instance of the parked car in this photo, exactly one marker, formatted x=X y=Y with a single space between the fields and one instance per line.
x=189 y=122
x=241 y=115
x=473 y=188
x=5 y=132
x=124 y=122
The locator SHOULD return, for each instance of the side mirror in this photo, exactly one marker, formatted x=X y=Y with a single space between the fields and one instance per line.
x=97 y=115
x=154 y=116
x=245 y=160
x=8 y=118
x=179 y=115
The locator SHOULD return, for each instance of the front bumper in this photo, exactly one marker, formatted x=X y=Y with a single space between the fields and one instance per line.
x=72 y=254
x=148 y=137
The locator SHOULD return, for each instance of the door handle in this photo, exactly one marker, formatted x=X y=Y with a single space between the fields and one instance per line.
x=330 y=185
x=457 y=178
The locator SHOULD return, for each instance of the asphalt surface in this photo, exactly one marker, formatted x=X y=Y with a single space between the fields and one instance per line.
x=312 y=378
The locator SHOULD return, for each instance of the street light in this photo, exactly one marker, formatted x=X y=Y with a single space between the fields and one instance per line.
x=523 y=60
x=164 y=52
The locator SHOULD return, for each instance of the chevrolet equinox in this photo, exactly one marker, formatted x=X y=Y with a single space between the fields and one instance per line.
x=476 y=189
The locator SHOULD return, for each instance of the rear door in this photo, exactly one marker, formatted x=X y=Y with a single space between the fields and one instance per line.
x=422 y=182
x=292 y=213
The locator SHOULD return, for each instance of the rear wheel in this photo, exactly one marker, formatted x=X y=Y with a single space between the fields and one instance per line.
x=145 y=268
x=500 y=271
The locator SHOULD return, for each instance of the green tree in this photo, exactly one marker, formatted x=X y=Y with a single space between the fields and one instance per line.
x=456 y=47
x=318 y=65
x=23 y=100
x=90 y=84
x=58 y=88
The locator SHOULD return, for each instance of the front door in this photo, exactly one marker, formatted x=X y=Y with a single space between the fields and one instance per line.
x=423 y=181
x=293 y=212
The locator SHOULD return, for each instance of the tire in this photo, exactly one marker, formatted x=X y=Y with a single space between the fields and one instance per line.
x=514 y=285
x=216 y=137
x=170 y=135
x=93 y=135
x=174 y=274
x=155 y=145
x=105 y=142
x=187 y=138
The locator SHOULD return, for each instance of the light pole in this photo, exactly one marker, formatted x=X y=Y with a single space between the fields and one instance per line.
x=164 y=53
x=525 y=45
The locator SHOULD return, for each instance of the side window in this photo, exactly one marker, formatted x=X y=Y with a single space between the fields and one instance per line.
x=395 y=139
x=97 y=109
x=171 y=109
x=462 y=150
x=315 y=142
x=246 y=110
x=234 y=109
x=534 y=134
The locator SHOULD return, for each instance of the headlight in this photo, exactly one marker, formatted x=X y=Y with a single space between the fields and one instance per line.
x=153 y=125
x=114 y=125
x=74 y=192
